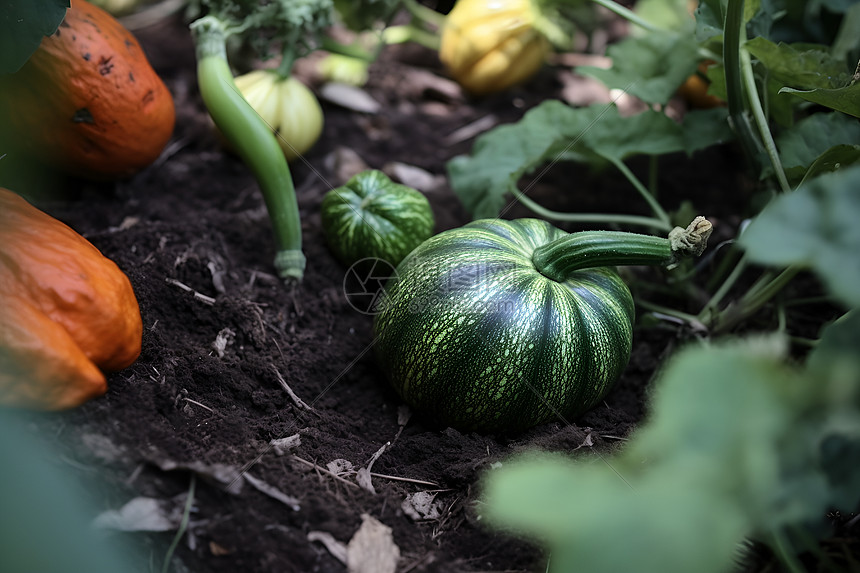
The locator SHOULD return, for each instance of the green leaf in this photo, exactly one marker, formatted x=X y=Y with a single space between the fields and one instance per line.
x=580 y=511
x=801 y=145
x=646 y=133
x=503 y=155
x=815 y=226
x=553 y=131
x=838 y=343
x=835 y=366
x=666 y=14
x=846 y=100
x=833 y=159
x=709 y=20
x=650 y=67
x=706 y=127
x=801 y=65
x=23 y=24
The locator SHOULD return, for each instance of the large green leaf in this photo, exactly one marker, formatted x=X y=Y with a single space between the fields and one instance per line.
x=553 y=131
x=835 y=158
x=706 y=127
x=501 y=156
x=800 y=66
x=709 y=20
x=801 y=145
x=666 y=14
x=650 y=67
x=23 y=24
x=846 y=100
x=814 y=226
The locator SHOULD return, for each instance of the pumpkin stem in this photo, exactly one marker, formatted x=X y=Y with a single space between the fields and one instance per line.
x=588 y=249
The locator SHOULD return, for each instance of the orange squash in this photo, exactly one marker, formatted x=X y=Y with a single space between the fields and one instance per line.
x=67 y=313
x=87 y=101
x=695 y=89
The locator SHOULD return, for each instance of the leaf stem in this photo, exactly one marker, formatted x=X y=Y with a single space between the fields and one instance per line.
x=721 y=293
x=690 y=319
x=734 y=31
x=652 y=202
x=620 y=219
x=329 y=44
x=409 y=33
x=423 y=14
x=762 y=292
x=761 y=119
x=628 y=15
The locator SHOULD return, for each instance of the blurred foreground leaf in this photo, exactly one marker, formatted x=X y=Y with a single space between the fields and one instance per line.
x=814 y=226
x=23 y=24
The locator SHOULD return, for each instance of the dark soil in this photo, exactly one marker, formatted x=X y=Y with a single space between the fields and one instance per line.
x=195 y=223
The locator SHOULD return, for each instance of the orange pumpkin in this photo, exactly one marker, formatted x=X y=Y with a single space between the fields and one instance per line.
x=88 y=101
x=695 y=89
x=67 y=313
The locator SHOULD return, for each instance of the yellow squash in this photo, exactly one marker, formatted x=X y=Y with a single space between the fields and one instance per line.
x=491 y=45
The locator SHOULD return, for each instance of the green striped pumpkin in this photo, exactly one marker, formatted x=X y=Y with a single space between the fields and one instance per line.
x=501 y=325
x=371 y=216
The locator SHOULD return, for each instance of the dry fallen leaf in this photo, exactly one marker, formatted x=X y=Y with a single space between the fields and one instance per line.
x=141 y=514
x=422 y=506
x=335 y=547
x=282 y=446
x=372 y=548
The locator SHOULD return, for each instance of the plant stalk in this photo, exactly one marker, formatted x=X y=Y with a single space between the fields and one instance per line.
x=628 y=15
x=761 y=120
x=750 y=303
x=733 y=32
x=410 y=33
x=643 y=191
x=254 y=142
x=423 y=14
x=620 y=219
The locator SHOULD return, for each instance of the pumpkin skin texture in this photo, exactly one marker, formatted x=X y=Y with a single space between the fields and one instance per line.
x=48 y=269
x=41 y=367
x=491 y=45
x=474 y=336
x=88 y=102
x=371 y=216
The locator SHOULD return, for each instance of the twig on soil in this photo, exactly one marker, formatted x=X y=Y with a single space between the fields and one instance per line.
x=324 y=470
x=335 y=547
x=470 y=130
x=197 y=296
x=296 y=400
x=204 y=406
x=410 y=480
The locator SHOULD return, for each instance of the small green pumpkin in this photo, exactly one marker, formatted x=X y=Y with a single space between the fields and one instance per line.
x=371 y=216
x=502 y=325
